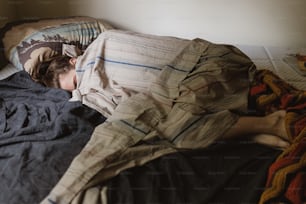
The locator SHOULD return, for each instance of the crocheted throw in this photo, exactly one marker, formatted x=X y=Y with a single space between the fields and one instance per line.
x=286 y=179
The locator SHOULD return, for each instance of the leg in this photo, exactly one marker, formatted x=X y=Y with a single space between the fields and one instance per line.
x=269 y=130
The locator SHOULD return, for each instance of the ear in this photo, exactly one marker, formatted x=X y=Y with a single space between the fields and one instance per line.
x=72 y=60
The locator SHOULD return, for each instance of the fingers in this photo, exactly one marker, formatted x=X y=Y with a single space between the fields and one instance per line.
x=271 y=140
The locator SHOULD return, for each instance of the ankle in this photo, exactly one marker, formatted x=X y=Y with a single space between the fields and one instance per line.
x=275 y=124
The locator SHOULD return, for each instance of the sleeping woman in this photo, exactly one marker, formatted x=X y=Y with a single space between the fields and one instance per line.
x=171 y=84
x=163 y=95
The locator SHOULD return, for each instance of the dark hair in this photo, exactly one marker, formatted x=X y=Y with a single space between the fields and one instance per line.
x=48 y=72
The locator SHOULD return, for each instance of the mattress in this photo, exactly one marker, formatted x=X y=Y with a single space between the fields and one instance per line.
x=273 y=58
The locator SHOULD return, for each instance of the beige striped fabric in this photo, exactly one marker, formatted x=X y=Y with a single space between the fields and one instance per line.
x=161 y=95
x=126 y=64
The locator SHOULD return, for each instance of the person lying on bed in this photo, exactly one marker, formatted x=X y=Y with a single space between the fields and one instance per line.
x=60 y=73
x=269 y=130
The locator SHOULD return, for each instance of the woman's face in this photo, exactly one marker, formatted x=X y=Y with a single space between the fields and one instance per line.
x=68 y=80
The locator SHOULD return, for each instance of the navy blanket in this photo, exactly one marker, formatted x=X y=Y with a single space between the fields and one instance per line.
x=40 y=133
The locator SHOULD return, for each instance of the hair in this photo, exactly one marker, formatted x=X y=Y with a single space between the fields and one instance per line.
x=48 y=72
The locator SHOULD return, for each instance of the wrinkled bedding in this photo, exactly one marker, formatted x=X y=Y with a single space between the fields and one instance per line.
x=160 y=141
x=40 y=133
x=187 y=104
x=286 y=180
x=221 y=173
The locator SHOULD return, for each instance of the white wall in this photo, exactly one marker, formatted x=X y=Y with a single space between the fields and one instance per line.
x=34 y=9
x=252 y=22
x=7 y=11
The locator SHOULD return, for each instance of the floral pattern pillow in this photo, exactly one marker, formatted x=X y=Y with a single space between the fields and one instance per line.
x=28 y=44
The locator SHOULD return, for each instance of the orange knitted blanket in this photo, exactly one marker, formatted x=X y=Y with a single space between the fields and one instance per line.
x=286 y=179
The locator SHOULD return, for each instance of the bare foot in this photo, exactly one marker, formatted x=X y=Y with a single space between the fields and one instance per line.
x=277 y=121
x=271 y=141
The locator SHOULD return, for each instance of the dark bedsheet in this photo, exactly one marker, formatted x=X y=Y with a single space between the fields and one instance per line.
x=231 y=173
x=40 y=133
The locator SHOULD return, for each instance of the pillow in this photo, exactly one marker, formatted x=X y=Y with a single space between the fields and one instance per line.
x=28 y=44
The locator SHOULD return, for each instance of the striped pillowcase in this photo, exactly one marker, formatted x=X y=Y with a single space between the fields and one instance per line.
x=28 y=44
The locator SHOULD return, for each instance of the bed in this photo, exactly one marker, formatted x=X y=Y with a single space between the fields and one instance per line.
x=44 y=133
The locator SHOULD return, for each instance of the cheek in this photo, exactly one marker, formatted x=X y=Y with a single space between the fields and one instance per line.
x=66 y=81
